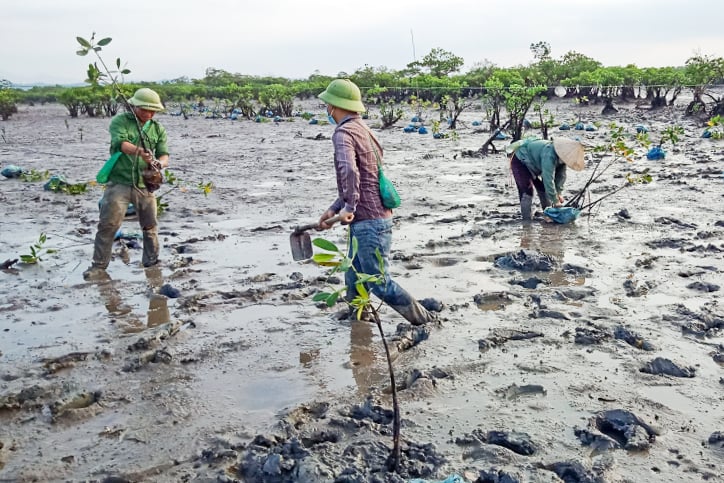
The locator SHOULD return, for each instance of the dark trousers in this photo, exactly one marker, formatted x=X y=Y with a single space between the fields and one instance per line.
x=525 y=181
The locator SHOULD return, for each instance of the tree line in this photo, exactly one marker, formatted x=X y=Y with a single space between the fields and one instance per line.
x=435 y=79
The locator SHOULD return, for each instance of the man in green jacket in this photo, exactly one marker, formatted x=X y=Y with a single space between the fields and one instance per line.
x=137 y=142
x=541 y=164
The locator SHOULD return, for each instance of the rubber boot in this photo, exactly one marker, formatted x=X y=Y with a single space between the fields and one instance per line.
x=150 y=247
x=526 y=207
x=415 y=313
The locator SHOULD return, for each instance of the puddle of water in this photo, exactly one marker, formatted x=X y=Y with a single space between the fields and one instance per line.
x=258 y=379
x=669 y=396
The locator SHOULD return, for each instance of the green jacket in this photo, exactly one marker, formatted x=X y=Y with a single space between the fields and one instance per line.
x=124 y=128
x=542 y=161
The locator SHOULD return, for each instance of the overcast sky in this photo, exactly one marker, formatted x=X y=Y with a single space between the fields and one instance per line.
x=167 y=39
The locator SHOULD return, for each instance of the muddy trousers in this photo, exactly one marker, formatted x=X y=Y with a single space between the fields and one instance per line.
x=114 y=205
x=525 y=182
x=375 y=235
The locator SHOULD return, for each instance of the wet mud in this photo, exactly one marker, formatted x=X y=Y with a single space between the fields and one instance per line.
x=590 y=352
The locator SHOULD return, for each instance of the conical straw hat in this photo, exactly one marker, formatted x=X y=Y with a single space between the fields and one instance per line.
x=570 y=152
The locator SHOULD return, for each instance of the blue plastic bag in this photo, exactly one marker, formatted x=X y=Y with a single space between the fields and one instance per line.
x=562 y=215
x=565 y=127
x=422 y=130
x=55 y=182
x=642 y=128
x=12 y=171
x=656 y=153
x=450 y=479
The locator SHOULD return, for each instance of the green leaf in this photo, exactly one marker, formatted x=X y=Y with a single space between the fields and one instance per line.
x=362 y=290
x=332 y=299
x=360 y=310
x=83 y=42
x=104 y=42
x=328 y=264
x=28 y=259
x=118 y=62
x=345 y=265
x=380 y=261
x=355 y=247
x=82 y=53
x=126 y=71
x=319 y=296
x=325 y=245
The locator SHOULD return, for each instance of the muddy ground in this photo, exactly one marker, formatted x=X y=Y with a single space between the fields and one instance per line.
x=536 y=372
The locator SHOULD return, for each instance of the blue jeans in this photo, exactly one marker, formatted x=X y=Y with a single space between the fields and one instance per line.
x=375 y=235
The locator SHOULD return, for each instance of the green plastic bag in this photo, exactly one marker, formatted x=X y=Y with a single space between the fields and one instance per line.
x=390 y=198
x=105 y=172
x=388 y=192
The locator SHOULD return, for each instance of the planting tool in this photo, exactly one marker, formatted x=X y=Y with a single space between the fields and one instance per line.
x=301 y=241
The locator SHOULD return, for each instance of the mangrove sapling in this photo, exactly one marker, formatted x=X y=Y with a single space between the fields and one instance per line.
x=546 y=118
x=389 y=114
x=714 y=128
x=175 y=183
x=617 y=150
x=37 y=250
x=340 y=262
x=34 y=175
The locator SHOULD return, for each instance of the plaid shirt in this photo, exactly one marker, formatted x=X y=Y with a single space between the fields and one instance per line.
x=355 y=164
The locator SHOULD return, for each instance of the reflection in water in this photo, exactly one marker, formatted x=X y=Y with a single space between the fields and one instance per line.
x=157 y=313
x=550 y=239
x=306 y=358
x=365 y=357
x=112 y=298
x=157 y=310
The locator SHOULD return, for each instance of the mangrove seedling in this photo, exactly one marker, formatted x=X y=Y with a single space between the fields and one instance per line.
x=175 y=183
x=34 y=175
x=714 y=128
x=340 y=262
x=389 y=114
x=613 y=151
x=37 y=250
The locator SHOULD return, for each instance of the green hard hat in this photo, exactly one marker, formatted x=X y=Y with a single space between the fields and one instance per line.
x=146 y=98
x=343 y=93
